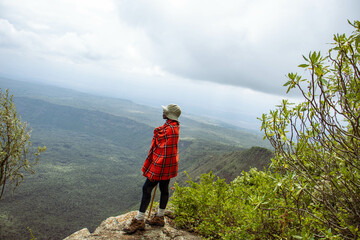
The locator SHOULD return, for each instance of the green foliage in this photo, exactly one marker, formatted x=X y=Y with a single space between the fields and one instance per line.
x=318 y=140
x=16 y=156
x=255 y=205
x=216 y=209
x=31 y=234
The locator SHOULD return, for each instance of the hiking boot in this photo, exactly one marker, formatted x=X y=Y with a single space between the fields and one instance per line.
x=134 y=226
x=156 y=221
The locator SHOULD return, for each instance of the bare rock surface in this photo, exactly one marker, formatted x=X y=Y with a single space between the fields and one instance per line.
x=112 y=227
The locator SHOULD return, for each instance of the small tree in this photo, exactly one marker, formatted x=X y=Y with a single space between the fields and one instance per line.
x=16 y=153
x=318 y=140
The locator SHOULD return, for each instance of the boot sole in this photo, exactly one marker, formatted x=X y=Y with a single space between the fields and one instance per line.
x=132 y=232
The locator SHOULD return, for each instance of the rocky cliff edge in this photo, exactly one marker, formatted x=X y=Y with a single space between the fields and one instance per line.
x=112 y=227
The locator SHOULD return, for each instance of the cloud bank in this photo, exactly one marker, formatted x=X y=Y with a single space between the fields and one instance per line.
x=205 y=49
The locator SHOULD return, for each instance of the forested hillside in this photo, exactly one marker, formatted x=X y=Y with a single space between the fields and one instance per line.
x=95 y=149
x=228 y=164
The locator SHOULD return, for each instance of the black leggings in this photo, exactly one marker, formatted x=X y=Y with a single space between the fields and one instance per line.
x=147 y=189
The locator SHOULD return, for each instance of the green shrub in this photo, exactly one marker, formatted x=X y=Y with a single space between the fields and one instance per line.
x=256 y=205
x=318 y=140
x=216 y=209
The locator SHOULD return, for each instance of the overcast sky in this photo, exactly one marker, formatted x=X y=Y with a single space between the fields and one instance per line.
x=227 y=59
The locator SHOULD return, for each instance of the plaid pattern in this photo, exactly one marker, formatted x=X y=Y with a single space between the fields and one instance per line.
x=163 y=158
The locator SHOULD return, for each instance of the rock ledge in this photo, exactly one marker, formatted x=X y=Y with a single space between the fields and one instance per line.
x=112 y=227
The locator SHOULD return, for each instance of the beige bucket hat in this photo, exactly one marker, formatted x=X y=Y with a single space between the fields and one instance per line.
x=172 y=111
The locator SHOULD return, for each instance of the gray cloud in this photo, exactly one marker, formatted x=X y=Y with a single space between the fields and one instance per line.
x=251 y=44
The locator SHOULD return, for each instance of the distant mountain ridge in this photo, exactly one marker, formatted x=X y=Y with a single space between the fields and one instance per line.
x=191 y=127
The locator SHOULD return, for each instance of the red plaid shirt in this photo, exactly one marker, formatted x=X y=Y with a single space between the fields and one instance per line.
x=163 y=158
